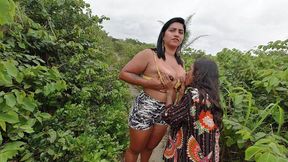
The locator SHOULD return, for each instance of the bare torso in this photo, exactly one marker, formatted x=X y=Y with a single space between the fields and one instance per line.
x=169 y=67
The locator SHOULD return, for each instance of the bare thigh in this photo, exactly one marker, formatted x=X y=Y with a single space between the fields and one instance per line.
x=139 y=139
x=158 y=131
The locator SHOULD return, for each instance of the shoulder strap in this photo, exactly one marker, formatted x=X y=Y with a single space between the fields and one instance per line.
x=158 y=71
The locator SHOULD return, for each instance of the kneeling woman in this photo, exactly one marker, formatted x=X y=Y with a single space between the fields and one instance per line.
x=196 y=120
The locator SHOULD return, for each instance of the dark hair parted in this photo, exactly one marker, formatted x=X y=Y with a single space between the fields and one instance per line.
x=160 y=49
x=206 y=80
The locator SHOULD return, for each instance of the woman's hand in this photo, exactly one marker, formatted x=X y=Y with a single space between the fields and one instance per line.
x=168 y=81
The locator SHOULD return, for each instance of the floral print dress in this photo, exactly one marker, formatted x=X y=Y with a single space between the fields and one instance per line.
x=193 y=136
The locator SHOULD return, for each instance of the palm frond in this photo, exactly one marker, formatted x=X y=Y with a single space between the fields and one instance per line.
x=186 y=45
x=161 y=22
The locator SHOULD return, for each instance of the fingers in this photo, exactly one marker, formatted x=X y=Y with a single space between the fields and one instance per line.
x=168 y=81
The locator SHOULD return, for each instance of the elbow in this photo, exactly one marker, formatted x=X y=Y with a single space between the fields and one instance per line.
x=120 y=76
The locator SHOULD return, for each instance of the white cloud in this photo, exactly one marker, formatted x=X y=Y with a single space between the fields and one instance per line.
x=241 y=24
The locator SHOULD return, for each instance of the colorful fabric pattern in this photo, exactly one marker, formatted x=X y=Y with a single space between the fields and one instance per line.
x=193 y=136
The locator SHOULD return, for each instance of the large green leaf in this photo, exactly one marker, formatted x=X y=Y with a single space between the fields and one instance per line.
x=12 y=146
x=7 y=11
x=11 y=68
x=19 y=77
x=10 y=150
x=10 y=99
x=267 y=157
x=29 y=103
x=4 y=156
x=9 y=117
x=5 y=79
x=20 y=95
x=278 y=115
x=252 y=151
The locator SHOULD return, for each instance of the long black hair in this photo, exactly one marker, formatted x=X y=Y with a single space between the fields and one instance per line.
x=206 y=80
x=160 y=50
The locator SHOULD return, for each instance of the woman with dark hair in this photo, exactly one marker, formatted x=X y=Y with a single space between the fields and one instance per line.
x=196 y=119
x=150 y=69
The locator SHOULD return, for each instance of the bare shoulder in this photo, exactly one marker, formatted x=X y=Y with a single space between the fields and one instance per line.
x=144 y=55
x=139 y=62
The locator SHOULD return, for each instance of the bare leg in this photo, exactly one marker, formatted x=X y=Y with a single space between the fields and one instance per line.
x=156 y=136
x=138 y=141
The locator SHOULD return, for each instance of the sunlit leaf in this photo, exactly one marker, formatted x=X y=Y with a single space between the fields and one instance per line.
x=10 y=117
x=7 y=11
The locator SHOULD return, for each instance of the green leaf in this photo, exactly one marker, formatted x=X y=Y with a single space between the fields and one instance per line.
x=11 y=68
x=274 y=148
x=19 y=77
x=21 y=45
x=4 y=156
x=7 y=11
x=1 y=139
x=45 y=115
x=26 y=86
x=20 y=95
x=252 y=151
x=53 y=135
x=10 y=150
x=51 y=152
x=12 y=146
x=266 y=157
x=238 y=99
x=10 y=99
x=29 y=104
x=9 y=117
x=49 y=88
x=36 y=115
x=281 y=159
x=26 y=156
x=281 y=89
x=27 y=128
x=274 y=81
x=278 y=115
x=60 y=85
x=259 y=135
x=5 y=79
x=37 y=91
x=3 y=125
x=20 y=134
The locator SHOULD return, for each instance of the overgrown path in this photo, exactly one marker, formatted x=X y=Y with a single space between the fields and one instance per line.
x=158 y=151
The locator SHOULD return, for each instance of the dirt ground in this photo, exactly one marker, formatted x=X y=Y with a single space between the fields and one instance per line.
x=158 y=151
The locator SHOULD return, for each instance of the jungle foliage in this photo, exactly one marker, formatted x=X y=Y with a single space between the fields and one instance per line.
x=61 y=100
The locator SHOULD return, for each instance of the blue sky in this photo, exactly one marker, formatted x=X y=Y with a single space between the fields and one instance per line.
x=241 y=24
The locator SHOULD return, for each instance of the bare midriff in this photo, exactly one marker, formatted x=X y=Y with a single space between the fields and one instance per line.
x=156 y=94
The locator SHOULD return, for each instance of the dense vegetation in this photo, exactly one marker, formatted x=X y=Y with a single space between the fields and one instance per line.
x=60 y=99
x=254 y=98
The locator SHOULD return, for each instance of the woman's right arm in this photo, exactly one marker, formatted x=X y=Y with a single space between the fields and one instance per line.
x=131 y=72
